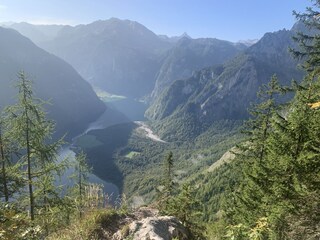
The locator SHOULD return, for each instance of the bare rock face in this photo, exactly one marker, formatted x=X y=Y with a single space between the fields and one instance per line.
x=152 y=227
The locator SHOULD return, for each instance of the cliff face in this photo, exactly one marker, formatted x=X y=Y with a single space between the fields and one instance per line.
x=189 y=55
x=224 y=92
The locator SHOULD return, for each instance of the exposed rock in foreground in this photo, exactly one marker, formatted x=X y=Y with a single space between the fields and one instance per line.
x=146 y=224
x=156 y=228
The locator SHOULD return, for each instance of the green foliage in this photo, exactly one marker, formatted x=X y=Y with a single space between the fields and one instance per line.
x=216 y=230
x=280 y=166
x=273 y=165
x=15 y=224
x=88 y=141
x=29 y=169
x=253 y=153
x=240 y=231
x=30 y=132
x=139 y=175
x=10 y=179
x=166 y=193
x=187 y=209
x=81 y=190
x=90 y=227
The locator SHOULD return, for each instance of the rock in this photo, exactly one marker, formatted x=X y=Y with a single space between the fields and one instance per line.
x=153 y=228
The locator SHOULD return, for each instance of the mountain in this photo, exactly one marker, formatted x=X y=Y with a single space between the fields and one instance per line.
x=224 y=92
x=73 y=102
x=119 y=56
x=189 y=55
x=37 y=33
x=175 y=39
x=248 y=42
x=125 y=58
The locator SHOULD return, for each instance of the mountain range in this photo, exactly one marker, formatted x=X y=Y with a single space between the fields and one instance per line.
x=224 y=92
x=119 y=56
x=189 y=55
x=73 y=103
x=124 y=57
x=190 y=83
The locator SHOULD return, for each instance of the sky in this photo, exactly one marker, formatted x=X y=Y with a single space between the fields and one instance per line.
x=231 y=20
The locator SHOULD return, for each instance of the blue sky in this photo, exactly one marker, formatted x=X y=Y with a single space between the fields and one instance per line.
x=224 y=19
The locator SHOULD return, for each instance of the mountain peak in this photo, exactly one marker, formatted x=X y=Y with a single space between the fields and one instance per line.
x=248 y=42
x=185 y=35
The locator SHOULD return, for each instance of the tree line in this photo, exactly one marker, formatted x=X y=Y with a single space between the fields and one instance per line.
x=277 y=196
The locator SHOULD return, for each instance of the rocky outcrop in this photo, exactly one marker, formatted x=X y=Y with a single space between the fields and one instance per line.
x=143 y=224
x=153 y=228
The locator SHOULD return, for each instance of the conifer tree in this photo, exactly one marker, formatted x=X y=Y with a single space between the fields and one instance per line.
x=169 y=175
x=80 y=176
x=31 y=131
x=4 y=177
x=248 y=203
x=10 y=179
x=166 y=193
x=295 y=154
x=284 y=192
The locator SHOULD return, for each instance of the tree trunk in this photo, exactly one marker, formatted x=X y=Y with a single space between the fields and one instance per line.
x=28 y=146
x=4 y=174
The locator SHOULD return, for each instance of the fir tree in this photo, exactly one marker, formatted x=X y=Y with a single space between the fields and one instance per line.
x=80 y=177
x=10 y=177
x=168 y=181
x=281 y=181
x=31 y=131
x=166 y=193
x=3 y=164
x=248 y=204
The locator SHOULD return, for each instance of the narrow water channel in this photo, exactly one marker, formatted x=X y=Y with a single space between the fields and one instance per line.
x=116 y=113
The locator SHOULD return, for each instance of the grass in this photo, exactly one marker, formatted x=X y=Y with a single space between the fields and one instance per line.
x=90 y=227
x=107 y=97
x=88 y=141
x=132 y=154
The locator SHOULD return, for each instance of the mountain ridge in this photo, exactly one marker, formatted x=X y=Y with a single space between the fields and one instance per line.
x=114 y=53
x=224 y=92
x=74 y=103
x=189 y=55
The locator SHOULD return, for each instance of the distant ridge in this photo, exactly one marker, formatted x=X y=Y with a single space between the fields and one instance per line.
x=188 y=107
x=74 y=104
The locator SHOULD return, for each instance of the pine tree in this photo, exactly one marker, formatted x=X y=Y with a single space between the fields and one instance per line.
x=169 y=175
x=31 y=131
x=80 y=176
x=295 y=154
x=10 y=179
x=187 y=209
x=248 y=204
x=166 y=193
x=3 y=165
x=284 y=183
x=281 y=186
